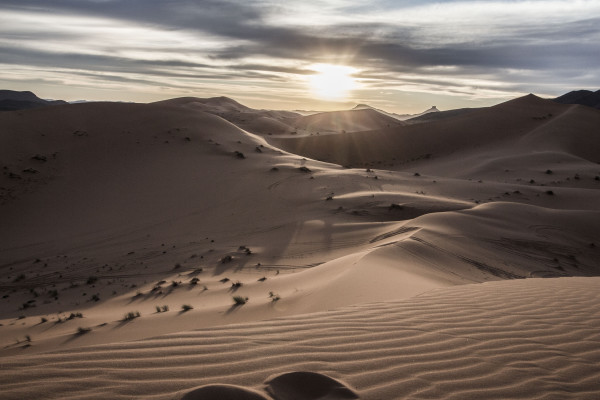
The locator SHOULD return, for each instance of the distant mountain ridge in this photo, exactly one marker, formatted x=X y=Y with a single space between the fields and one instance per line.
x=12 y=100
x=401 y=117
x=583 y=97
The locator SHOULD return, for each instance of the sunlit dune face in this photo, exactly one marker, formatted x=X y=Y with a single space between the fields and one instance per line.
x=332 y=82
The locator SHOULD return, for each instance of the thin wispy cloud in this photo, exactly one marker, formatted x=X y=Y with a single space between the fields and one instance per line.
x=406 y=53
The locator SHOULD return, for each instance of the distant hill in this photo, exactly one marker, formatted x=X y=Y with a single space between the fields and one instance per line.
x=583 y=97
x=437 y=116
x=355 y=120
x=11 y=100
x=262 y=122
x=401 y=117
x=531 y=122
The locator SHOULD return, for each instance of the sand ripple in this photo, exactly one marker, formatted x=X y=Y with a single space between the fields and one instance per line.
x=520 y=339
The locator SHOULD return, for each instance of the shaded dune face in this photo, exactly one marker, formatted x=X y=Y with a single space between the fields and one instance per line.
x=523 y=125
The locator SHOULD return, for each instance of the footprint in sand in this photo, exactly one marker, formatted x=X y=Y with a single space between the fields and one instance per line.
x=307 y=386
x=223 y=392
x=288 y=386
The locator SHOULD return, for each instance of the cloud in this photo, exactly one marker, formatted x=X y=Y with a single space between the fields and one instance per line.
x=470 y=47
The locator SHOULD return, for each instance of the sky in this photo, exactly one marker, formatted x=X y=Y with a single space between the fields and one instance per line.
x=400 y=56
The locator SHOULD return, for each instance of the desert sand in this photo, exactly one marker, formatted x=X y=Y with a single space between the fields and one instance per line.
x=201 y=249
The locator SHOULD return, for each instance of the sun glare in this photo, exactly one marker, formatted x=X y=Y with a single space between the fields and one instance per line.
x=332 y=82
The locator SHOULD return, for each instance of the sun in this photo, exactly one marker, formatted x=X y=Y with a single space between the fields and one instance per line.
x=332 y=82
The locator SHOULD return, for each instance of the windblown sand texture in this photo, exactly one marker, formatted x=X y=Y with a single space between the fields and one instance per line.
x=450 y=259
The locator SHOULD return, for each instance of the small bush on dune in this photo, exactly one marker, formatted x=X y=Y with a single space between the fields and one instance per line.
x=81 y=330
x=131 y=315
x=161 y=309
x=274 y=297
x=186 y=307
x=75 y=315
x=91 y=280
x=239 y=300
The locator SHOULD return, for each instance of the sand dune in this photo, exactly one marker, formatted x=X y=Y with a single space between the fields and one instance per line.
x=525 y=339
x=464 y=135
x=345 y=121
x=164 y=251
x=262 y=122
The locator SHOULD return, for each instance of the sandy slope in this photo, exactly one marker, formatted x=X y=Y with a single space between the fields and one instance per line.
x=524 y=125
x=526 y=339
x=113 y=208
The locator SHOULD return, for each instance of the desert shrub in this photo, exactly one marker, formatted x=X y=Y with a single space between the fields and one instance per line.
x=82 y=330
x=75 y=315
x=236 y=285
x=239 y=300
x=131 y=315
x=161 y=309
x=274 y=297
x=91 y=280
x=186 y=307
x=194 y=281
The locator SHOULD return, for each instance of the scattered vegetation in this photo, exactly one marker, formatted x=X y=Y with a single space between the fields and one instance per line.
x=43 y=320
x=161 y=309
x=264 y=278
x=304 y=169
x=39 y=157
x=239 y=155
x=239 y=300
x=74 y=315
x=236 y=285
x=245 y=250
x=194 y=281
x=186 y=307
x=549 y=172
x=131 y=315
x=82 y=330
x=274 y=297
x=226 y=259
